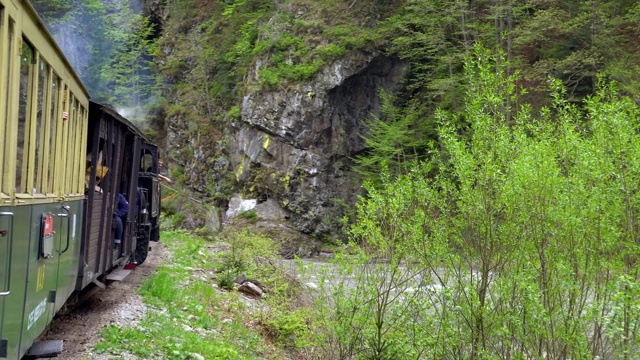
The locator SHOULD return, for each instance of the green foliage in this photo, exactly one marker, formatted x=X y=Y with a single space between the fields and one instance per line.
x=186 y=315
x=290 y=327
x=624 y=317
x=251 y=216
x=331 y=51
x=520 y=239
x=130 y=73
x=234 y=112
x=394 y=141
x=48 y=9
x=245 y=249
x=287 y=321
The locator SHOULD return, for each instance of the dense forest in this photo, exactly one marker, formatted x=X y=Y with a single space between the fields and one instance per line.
x=500 y=212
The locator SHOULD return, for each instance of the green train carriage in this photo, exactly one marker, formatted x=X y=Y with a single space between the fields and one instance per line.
x=55 y=208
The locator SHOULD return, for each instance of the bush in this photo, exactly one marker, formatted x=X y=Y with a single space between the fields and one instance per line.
x=251 y=216
x=243 y=255
x=520 y=238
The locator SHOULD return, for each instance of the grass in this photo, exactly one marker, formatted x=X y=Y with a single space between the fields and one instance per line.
x=188 y=315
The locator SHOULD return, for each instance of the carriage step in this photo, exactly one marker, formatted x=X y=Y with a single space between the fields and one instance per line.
x=119 y=274
x=44 y=349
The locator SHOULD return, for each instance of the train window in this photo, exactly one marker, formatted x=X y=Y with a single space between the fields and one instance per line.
x=53 y=126
x=24 y=114
x=67 y=144
x=6 y=87
x=82 y=131
x=43 y=80
x=74 y=154
x=146 y=161
x=62 y=141
x=4 y=164
x=71 y=146
x=78 y=153
x=5 y=63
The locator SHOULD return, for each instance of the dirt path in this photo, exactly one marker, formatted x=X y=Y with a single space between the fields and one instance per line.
x=118 y=305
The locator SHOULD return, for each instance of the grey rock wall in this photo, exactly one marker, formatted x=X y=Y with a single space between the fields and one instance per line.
x=296 y=144
x=292 y=148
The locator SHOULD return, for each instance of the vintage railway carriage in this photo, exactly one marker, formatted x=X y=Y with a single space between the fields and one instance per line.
x=63 y=162
x=43 y=117
x=125 y=163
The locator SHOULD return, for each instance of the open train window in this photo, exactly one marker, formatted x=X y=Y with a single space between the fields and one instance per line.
x=63 y=154
x=24 y=116
x=99 y=161
x=3 y=74
x=80 y=128
x=71 y=154
x=70 y=158
x=75 y=155
x=41 y=128
x=53 y=131
x=146 y=161
x=6 y=36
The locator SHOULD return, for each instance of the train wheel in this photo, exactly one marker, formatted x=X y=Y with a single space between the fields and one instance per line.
x=142 y=248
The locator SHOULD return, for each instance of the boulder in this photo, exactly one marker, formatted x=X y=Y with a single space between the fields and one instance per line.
x=250 y=289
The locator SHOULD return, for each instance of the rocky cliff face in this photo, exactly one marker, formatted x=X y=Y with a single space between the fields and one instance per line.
x=288 y=154
x=296 y=145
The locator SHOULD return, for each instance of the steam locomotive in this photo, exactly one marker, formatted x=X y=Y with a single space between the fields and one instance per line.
x=64 y=162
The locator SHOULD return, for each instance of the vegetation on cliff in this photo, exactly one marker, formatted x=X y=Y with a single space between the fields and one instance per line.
x=208 y=48
x=212 y=53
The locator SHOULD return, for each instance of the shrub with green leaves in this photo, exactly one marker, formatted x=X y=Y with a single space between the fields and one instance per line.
x=248 y=253
x=519 y=239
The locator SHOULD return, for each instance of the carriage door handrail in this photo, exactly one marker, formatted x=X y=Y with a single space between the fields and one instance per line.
x=67 y=208
x=9 y=247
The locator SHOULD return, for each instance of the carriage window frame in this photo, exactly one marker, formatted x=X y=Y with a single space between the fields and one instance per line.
x=57 y=169
x=23 y=167
x=146 y=161
x=54 y=118
x=69 y=147
x=62 y=141
x=4 y=77
x=7 y=176
x=5 y=64
x=69 y=160
x=73 y=146
x=81 y=148
x=40 y=126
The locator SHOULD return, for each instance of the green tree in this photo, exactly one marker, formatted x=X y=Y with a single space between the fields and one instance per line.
x=577 y=41
x=130 y=71
x=396 y=140
x=79 y=27
x=52 y=10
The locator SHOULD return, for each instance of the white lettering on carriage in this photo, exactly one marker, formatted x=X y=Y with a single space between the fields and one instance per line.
x=36 y=313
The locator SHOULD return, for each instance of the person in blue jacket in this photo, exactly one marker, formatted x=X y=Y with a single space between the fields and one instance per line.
x=121 y=211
